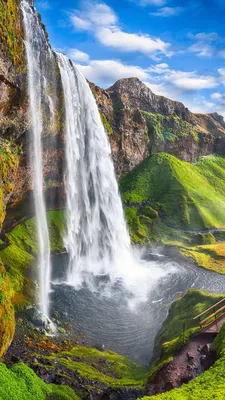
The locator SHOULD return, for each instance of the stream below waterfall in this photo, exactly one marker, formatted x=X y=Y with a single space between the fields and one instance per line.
x=114 y=320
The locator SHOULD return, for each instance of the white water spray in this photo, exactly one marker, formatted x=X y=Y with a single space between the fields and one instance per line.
x=97 y=239
x=35 y=43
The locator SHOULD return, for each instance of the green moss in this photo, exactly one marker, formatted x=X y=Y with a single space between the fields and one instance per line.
x=11 y=31
x=168 y=128
x=7 y=318
x=22 y=247
x=9 y=161
x=179 y=325
x=139 y=227
x=210 y=385
x=189 y=197
x=106 y=123
x=111 y=369
x=21 y=383
x=211 y=256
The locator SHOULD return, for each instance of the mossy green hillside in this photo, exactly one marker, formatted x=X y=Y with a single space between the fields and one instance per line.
x=9 y=161
x=170 y=128
x=110 y=369
x=11 y=32
x=179 y=325
x=210 y=385
x=185 y=196
x=211 y=256
x=20 y=247
x=7 y=317
x=21 y=383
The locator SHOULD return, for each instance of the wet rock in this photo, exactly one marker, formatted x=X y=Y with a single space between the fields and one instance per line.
x=203 y=359
x=190 y=357
x=100 y=347
x=15 y=359
x=206 y=349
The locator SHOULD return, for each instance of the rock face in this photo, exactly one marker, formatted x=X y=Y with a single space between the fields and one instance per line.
x=141 y=123
x=195 y=358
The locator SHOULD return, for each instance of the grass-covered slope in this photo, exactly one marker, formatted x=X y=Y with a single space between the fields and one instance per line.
x=100 y=370
x=208 y=386
x=21 y=383
x=185 y=196
x=211 y=256
x=179 y=325
x=19 y=249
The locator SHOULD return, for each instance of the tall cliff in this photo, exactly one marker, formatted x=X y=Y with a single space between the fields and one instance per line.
x=141 y=123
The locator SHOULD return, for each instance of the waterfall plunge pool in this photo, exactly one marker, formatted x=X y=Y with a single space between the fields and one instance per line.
x=114 y=320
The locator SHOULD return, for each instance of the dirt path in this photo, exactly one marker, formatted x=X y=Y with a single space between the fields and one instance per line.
x=196 y=357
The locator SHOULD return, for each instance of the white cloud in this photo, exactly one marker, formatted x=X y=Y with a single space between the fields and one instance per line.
x=44 y=5
x=167 y=11
x=204 y=36
x=221 y=53
x=93 y=15
x=162 y=66
x=216 y=96
x=131 y=42
x=202 y=50
x=80 y=23
x=102 y=21
x=184 y=80
x=222 y=72
x=108 y=71
x=190 y=81
x=77 y=55
x=205 y=44
x=152 y=2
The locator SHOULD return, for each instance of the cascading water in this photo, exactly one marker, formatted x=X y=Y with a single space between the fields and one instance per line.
x=36 y=45
x=97 y=239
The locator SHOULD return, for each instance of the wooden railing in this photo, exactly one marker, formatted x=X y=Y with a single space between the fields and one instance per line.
x=213 y=317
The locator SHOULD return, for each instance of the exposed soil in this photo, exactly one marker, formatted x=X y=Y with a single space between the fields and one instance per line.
x=196 y=357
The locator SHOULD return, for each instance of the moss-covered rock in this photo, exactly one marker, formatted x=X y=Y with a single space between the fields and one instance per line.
x=7 y=318
x=20 y=249
x=11 y=32
x=180 y=326
x=90 y=371
x=211 y=257
x=21 y=383
x=210 y=385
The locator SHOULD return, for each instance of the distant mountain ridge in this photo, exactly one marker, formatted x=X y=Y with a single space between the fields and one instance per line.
x=141 y=123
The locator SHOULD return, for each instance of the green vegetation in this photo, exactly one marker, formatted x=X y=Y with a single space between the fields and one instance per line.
x=211 y=257
x=11 y=31
x=7 y=318
x=22 y=248
x=9 y=161
x=21 y=383
x=210 y=385
x=171 y=128
x=185 y=196
x=110 y=369
x=106 y=123
x=179 y=325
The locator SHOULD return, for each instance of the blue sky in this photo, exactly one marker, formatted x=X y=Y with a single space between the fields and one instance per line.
x=176 y=47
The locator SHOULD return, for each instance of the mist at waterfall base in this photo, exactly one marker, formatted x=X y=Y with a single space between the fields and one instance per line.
x=111 y=321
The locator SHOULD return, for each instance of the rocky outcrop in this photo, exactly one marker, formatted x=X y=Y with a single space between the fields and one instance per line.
x=141 y=123
x=195 y=357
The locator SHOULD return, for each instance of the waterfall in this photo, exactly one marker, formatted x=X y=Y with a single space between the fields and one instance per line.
x=36 y=50
x=97 y=239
